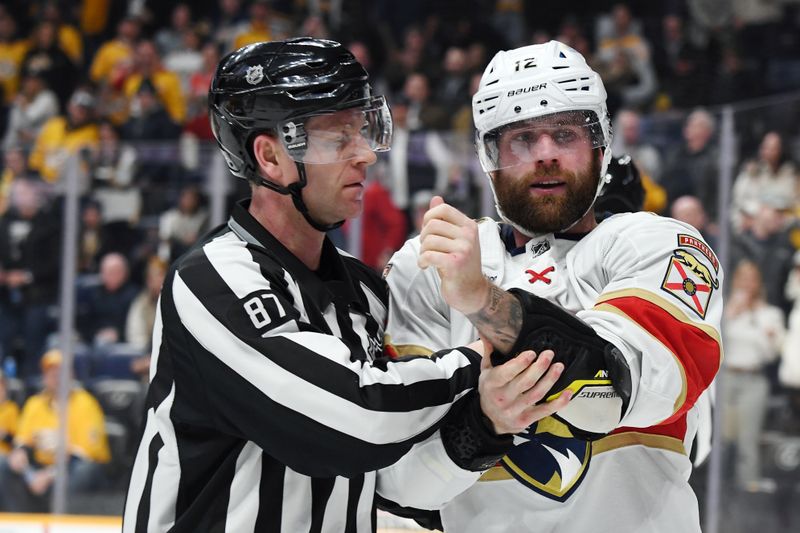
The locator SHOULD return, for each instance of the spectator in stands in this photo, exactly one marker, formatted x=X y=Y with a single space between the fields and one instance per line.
x=28 y=475
x=69 y=38
x=383 y=225
x=690 y=209
x=149 y=75
x=30 y=261
x=418 y=160
x=112 y=163
x=789 y=369
x=9 y=418
x=770 y=175
x=110 y=68
x=14 y=167
x=682 y=67
x=171 y=38
x=765 y=240
x=92 y=239
x=113 y=62
x=734 y=78
x=142 y=313
x=405 y=61
x=46 y=56
x=12 y=51
x=453 y=87
x=199 y=83
x=753 y=333
x=102 y=321
x=259 y=25
x=423 y=113
x=628 y=140
x=64 y=136
x=34 y=105
x=692 y=167
x=149 y=120
x=111 y=168
x=186 y=59
x=180 y=226
x=229 y=22
x=624 y=62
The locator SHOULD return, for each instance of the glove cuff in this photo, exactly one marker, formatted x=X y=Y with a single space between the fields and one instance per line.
x=470 y=440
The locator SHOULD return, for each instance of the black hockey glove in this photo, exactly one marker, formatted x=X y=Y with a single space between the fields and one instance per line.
x=594 y=369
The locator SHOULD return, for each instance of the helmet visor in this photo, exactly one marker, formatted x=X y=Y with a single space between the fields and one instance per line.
x=339 y=135
x=527 y=141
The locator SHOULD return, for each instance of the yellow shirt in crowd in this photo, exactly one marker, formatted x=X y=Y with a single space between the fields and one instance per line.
x=86 y=434
x=11 y=55
x=168 y=88
x=56 y=142
x=107 y=57
x=9 y=416
x=71 y=42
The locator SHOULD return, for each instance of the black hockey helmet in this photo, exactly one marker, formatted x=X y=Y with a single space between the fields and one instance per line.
x=623 y=191
x=260 y=86
x=273 y=87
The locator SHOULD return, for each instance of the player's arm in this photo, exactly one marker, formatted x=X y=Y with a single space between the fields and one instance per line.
x=516 y=320
x=662 y=308
x=449 y=243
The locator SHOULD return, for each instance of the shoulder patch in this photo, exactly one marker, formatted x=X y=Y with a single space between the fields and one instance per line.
x=700 y=246
x=690 y=281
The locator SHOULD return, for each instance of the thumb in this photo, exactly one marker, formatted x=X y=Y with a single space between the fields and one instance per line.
x=436 y=200
x=486 y=360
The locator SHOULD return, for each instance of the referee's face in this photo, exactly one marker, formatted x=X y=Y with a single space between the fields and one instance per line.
x=335 y=191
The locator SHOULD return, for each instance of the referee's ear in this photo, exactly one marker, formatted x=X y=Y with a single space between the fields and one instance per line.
x=269 y=155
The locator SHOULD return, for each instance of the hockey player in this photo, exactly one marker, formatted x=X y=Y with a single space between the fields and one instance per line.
x=647 y=285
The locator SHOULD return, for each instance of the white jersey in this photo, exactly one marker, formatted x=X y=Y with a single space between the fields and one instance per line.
x=649 y=285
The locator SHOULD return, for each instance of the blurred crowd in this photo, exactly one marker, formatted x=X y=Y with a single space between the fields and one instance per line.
x=120 y=88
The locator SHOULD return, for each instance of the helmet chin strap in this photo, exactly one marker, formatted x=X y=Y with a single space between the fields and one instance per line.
x=295 y=191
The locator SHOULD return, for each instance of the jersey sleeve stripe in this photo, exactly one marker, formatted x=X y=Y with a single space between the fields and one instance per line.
x=697 y=353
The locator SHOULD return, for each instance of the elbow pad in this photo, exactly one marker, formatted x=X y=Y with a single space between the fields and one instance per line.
x=594 y=369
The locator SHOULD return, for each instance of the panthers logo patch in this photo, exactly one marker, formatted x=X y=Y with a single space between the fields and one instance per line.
x=550 y=462
x=690 y=281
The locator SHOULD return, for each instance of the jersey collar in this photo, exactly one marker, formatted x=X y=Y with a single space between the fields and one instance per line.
x=331 y=282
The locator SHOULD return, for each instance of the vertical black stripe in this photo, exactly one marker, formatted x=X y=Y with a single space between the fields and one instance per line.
x=270 y=493
x=349 y=337
x=321 y=489
x=143 y=514
x=353 y=497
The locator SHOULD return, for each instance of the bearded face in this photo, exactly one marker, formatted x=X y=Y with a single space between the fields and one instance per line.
x=547 y=198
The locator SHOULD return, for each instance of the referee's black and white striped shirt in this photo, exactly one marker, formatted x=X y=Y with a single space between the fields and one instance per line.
x=266 y=412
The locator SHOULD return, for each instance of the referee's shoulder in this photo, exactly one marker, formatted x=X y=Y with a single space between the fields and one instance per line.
x=364 y=274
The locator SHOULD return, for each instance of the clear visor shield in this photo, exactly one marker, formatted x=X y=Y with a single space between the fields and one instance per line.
x=540 y=138
x=340 y=135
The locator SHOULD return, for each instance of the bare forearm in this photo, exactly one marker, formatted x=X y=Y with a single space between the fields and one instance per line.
x=499 y=321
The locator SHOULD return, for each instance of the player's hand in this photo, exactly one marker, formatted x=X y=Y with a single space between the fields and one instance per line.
x=449 y=242
x=509 y=392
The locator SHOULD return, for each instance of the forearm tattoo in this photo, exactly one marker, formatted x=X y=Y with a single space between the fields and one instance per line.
x=500 y=320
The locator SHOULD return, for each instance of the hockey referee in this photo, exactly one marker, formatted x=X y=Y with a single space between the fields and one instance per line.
x=272 y=406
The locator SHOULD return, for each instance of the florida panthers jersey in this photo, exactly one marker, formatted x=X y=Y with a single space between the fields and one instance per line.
x=652 y=287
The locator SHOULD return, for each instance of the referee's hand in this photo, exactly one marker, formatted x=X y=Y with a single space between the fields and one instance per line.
x=509 y=392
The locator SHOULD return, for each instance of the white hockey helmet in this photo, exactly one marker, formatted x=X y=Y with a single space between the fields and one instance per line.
x=536 y=81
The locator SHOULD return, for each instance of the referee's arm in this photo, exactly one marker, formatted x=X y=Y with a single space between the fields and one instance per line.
x=271 y=377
